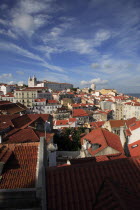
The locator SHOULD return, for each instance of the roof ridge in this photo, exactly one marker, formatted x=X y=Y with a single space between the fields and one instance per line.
x=103 y=135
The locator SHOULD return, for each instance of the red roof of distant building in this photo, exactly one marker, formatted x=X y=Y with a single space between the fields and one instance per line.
x=8 y=95
x=79 y=113
x=62 y=122
x=52 y=102
x=97 y=124
x=72 y=119
x=40 y=100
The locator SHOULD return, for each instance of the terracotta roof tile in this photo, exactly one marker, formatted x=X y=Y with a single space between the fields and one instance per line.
x=134 y=125
x=20 y=170
x=78 y=186
x=134 y=148
x=79 y=113
x=25 y=135
x=117 y=123
x=104 y=138
x=44 y=117
x=62 y=122
x=130 y=121
x=21 y=121
x=97 y=124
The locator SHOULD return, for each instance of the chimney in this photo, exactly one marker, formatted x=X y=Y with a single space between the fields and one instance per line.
x=51 y=148
x=87 y=131
x=122 y=136
x=0 y=139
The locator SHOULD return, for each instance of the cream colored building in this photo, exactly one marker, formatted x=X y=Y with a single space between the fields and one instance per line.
x=118 y=111
x=131 y=110
x=27 y=96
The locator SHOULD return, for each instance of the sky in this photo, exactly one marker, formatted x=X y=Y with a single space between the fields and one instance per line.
x=74 y=41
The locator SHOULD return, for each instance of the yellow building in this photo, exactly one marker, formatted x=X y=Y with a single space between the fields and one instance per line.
x=25 y=97
x=108 y=91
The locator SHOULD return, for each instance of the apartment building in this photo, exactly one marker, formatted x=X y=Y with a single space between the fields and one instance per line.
x=132 y=109
x=28 y=95
x=118 y=111
x=45 y=106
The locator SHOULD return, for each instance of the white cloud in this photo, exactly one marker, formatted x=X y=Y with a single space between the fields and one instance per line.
x=23 y=52
x=8 y=33
x=102 y=35
x=32 y=6
x=4 y=6
x=24 y=22
x=11 y=82
x=20 y=83
x=97 y=81
x=5 y=76
x=29 y=15
x=20 y=72
x=3 y=22
x=95 y=65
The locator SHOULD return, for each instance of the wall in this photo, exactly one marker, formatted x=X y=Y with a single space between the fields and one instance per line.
x=107 y=151
x=72 y=154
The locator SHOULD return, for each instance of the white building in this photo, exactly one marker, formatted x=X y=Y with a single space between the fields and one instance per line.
x=131 y=109
x=7 y=88
x=93 y=86
x=44 y=106
x=32 y=82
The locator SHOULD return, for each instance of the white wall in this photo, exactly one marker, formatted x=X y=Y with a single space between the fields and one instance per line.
x=135 y=136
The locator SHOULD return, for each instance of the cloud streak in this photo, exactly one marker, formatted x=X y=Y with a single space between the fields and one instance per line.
x=97 y=81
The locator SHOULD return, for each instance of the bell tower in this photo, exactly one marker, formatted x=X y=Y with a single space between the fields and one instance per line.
x=32 y=82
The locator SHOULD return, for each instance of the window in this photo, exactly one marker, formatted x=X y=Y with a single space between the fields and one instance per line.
x=135 y=145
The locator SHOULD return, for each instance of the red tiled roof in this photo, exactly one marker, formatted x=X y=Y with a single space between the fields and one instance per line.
x=21 y=121
x=5 y=124
x=104 y=138
x=12 y=108
x=49 y=136
x=52 y=102
x=130 y=121
x=5 y=154
x=34 y=117
x=78 y=186
x=25 y=135
x=114 y=195
x=128 y=132
x=40 y=99
x=5 y=102
x=97 y=124
x=62 y=122
x=134 y=148
x=117 y=123
x=8 y=95
x=134 y=125
x=79 y=113
x=72 y=119
x=20 y=170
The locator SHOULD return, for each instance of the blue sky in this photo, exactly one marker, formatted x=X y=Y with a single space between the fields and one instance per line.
x=75 y=41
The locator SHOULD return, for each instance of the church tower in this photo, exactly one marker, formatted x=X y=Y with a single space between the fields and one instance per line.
x=32 y=82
